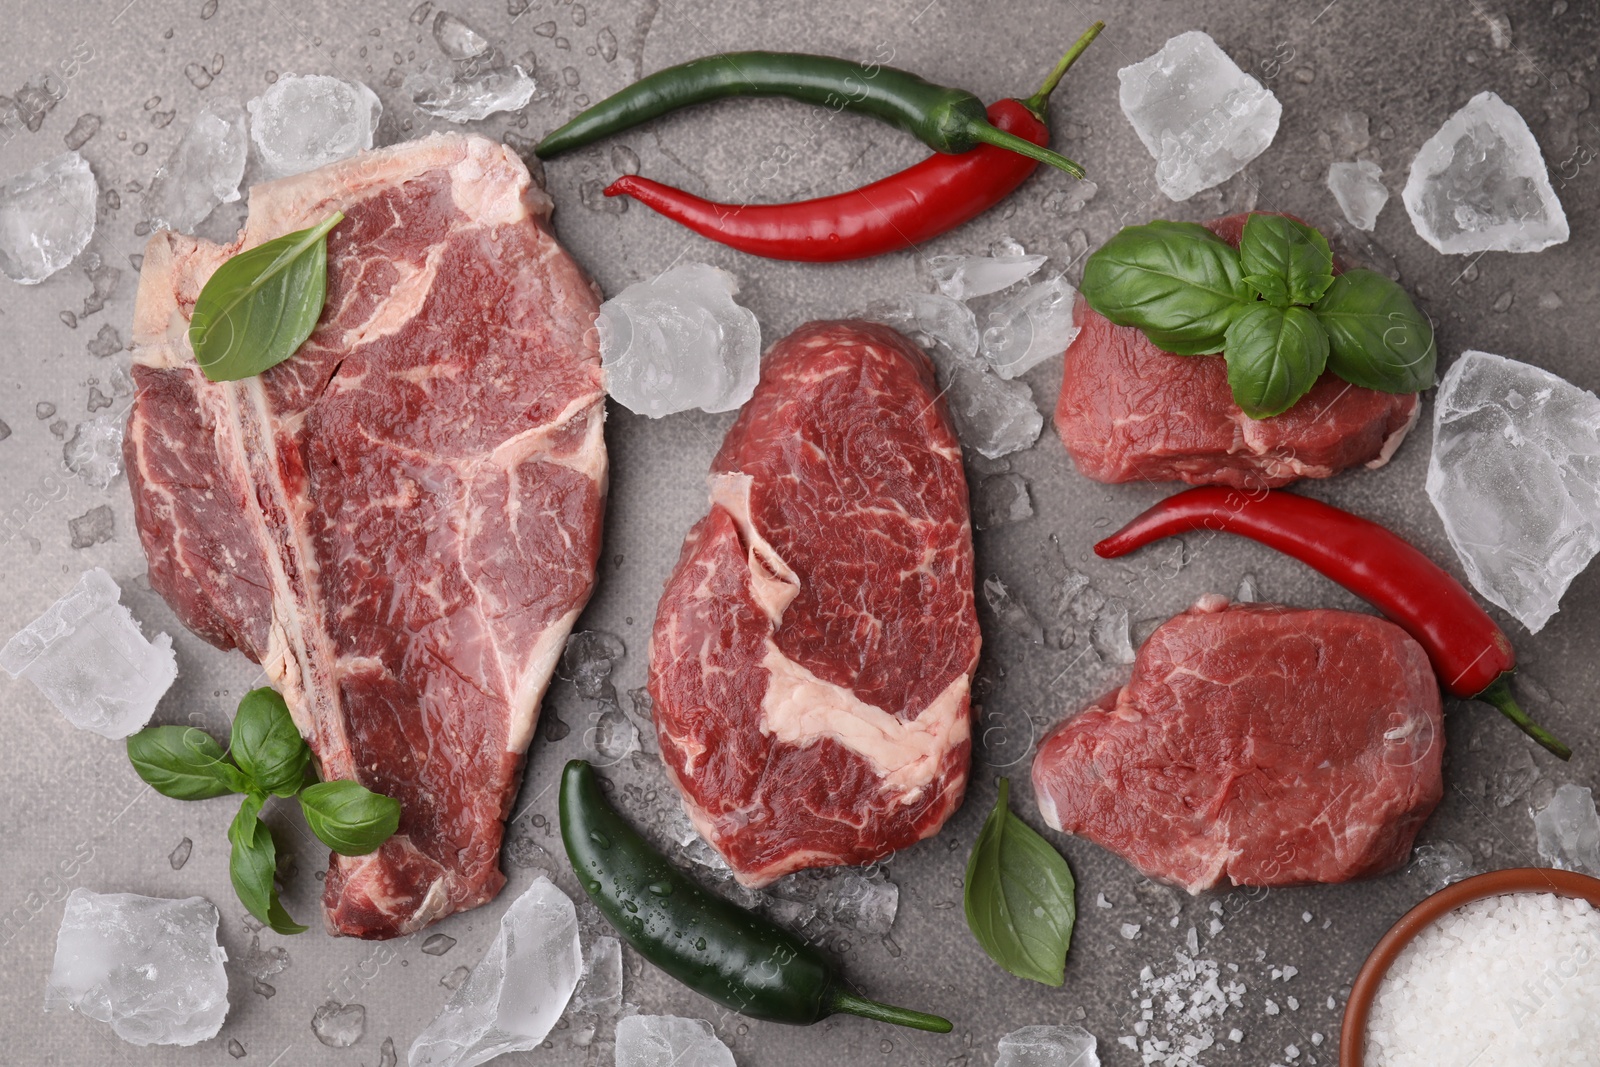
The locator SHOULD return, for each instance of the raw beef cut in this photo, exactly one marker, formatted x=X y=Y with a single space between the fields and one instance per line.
x=1131 y=412
x=812 y=653
x=1271 y=745
x=400 y=523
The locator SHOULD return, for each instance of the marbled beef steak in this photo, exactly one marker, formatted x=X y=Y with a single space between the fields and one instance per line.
x=812 y=653
x=401 y=522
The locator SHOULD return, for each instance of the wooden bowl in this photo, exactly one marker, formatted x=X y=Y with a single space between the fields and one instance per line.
x=1353 y=1034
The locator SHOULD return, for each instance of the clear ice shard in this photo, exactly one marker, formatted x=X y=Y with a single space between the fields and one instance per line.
x=203 y=171
x=1200 y=116
x=999 y=500
x=1515 y=475
x=966 y=277
x=457 y=38
x=1359 y=189
x=94 y=451
x=600 y=992
x=88 y=656
x=1029 y=327
x=1480 y=184
x=669 y=1041
x=1048 y=1046
x=1568 y=830
x=516 y=994
x=443 y=91
x=47 y=216
x=866 y=904
x=150 y=968
x=678 y=342
x=305 y=121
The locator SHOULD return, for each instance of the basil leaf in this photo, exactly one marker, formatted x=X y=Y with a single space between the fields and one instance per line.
x=184 y=763
x=267 y=745
x=1377 y=338
x=261 y=305
x=1284 y=248
x=349 y=818
x=1019 y=897
x=1274 y=356
x=253 y=867
x=1271 y=287
x=1177 y=281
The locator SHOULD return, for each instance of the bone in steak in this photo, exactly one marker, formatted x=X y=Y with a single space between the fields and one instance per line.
x=400 y=523
x=812 y=653
x=1271 y=745
x=1131 y=412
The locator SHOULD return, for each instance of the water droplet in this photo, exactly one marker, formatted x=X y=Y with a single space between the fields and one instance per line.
x=580 y=15
x=339 y=1025
x=700 y=944
x=626 y=161
x=82 y=130
x=70 y=319
x=606 y=41
x=545 y=29
x=235 y=1049
x=140 y=149
x=208 y=9
x=600 y=839
x=886 y=1046
x=180 y=855
x=660 y=889
x=44 y=409
x=438 y=944
x=630 y=907
x=197 y=74
x=1503 y=302
x=562 y=42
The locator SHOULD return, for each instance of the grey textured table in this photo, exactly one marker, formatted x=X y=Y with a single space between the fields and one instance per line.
x=75 y=815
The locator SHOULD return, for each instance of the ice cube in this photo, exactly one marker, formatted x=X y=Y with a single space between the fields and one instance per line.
x=1480 y=184
x=1031 y=326
x=305 y=121
x=1441 y=863
x=669 y=1041
x=1569 y=830
x=1111 y=636
x=1515 y=475
x=867 y=904
x=203 y=171
x=515 y=995
x=94 y=452
x=47 y=215
x=1001 y=499
x=678 y=342
x=1012 y=613
x=1200 y=116
x=442 y=90
x=149 y=967
x=1048 y=1046
x=588 y=659
x=966 y=277
x=940 y=324
x=1359 y=189
x=90 y=659
x=600 y=992
x=457 y=39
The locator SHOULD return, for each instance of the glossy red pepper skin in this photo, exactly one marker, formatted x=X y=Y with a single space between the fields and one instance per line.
x=896 y=212
x=1471 y=655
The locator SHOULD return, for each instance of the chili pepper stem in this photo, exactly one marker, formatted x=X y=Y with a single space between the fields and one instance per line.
x=1499 y=695
x=1011 y=142
x=847 y=1002
x=1040 y=101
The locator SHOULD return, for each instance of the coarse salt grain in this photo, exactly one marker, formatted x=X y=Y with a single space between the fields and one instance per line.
x=1508 y=981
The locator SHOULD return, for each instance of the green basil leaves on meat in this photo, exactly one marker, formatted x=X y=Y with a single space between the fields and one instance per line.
x=1020 y=897
x=349 y=818
x=261 y=305
x=1376 y=336
x=1177 y=281
x=267 y=745
x=1273 y=307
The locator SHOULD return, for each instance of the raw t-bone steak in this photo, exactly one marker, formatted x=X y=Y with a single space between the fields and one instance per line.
x=401 y=522
x=812 y=652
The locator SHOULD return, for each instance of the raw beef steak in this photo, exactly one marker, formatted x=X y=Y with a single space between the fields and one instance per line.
x=1273 y=745
x=400 y=523
x=812 y=652
x=1131 y=412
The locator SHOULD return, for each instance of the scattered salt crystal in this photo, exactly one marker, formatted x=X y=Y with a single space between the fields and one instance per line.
x=1130 y=930
x=1100 y=901
x=1192 y=939
x=1215 y=907
x=1290 y=972
x=1316 y=1038
x=1214 y=928
x=1272 y=1006
x=1359 y=189
x=305 y=121
x=1294 y=1005
x=1128 y=1041
x=47 y=216
x=1332 y=1004
x=1236 y=1035
x=1147 y=973
x=1305 y=916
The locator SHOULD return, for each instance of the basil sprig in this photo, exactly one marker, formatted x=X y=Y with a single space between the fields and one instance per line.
x=266 y=756
x=259 y=307
x=1273 y=308
x=1019 y=897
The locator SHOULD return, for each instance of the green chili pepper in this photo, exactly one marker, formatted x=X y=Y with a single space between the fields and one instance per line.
x=721 y=951
x=945 y=119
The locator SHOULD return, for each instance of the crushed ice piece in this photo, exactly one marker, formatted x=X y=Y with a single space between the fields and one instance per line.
x=1198 y=114
x=1569 y=830
x=1111 y=636
x=588 y=659
x=1012 y=613
x=203 y=171
x=1359 y=189
x=865 y=904
x=1048 y=1046
x=458 y=39
x=669 y=1041
x=1441 y=863
x=1001 y=499
x=967 y=277
x=515 y=995
x=89 y=658
x=678 y=342
x=600 y=991
x=1248 y=592
x=444 y=91
x=94 y=452
x=339 y=1025
x=1029 y=327
x=305 y=121
x=944 y=326
x=1515 y=475
x=47 y=216
x=1480 y=184
x=149 y=967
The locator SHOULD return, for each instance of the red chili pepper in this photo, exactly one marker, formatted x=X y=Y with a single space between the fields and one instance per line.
x=896 y=212
x=1471 y=655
